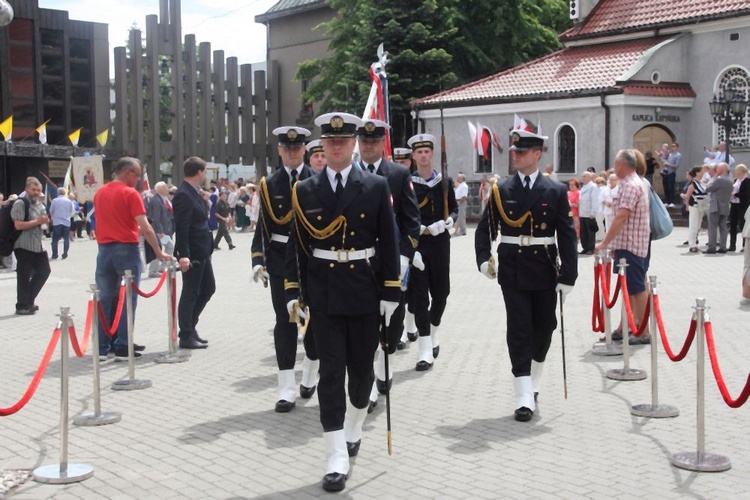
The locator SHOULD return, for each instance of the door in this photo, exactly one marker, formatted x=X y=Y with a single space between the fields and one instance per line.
x=650 y=138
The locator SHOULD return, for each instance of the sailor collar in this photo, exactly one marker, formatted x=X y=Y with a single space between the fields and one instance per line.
x=431 y=182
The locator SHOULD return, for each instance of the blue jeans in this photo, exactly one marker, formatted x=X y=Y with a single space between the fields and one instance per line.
x=60 y=231
x=111 y=263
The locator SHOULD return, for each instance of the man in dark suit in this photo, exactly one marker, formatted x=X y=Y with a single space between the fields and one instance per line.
x=343 y=262
x=161 y=214
x=193 y=248
x=371 y=138
x=269 y=252
x=719 y=196
x=430 y=287
x=529 y=210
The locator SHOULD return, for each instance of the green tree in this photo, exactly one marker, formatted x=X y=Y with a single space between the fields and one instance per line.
x=434 y=45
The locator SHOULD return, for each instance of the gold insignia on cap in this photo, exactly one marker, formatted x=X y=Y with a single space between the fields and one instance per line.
x=336 y=122
x=515 y=137
x=292 y=134
x=370 y=127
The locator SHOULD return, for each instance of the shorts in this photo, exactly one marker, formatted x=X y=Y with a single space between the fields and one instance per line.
x=635 y=272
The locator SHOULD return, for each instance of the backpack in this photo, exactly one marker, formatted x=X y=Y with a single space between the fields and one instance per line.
x=8 y=232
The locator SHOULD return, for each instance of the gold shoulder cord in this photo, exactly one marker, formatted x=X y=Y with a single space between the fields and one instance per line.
x=424 y=202
x=319 y=234
x=512 y=223
x=269 y=208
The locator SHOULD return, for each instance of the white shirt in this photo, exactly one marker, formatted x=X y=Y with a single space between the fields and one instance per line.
x=589 y=202
x=375 y=164
x=298 y=170
x=532 y=176
x=462 y=191
x=332 y=176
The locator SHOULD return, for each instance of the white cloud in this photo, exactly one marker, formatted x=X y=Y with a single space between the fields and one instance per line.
x=227 y=24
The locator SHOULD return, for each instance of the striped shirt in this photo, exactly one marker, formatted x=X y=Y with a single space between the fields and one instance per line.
x=31 y=238
x=632 y=195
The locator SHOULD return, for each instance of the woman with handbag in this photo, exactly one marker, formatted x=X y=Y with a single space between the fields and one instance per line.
x=738 y=205
x=696 y=202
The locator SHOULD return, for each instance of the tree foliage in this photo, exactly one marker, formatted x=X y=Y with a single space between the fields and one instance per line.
x=434 y=45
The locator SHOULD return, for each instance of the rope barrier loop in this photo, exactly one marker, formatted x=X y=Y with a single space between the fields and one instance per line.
x=742 y=398
x=148 y=295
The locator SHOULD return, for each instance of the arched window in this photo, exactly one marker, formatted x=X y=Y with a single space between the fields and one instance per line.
x=740 y=80
x=566 y=150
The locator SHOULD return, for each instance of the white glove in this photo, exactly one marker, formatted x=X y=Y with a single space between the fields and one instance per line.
x=449 y=223
x=260 y=272
x=485 y=269
x=422 y=228
x=436 y=227
x=387 y=308
x=404 y=265
x=417 y=261
x=294 y=304
x=565 y=289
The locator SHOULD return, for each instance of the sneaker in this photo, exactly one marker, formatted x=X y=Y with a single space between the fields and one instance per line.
x=122 y=355
x=671 y=205
x=641 y=340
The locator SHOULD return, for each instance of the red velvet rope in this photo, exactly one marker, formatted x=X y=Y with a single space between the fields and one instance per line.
x=605 y=291
x=155 y=291
x=80 y=350
x=110 y=331
x=174 y=308
x=733 y=403
x=663 y=334
x=629 y=312
x=4 y=412
x=597 y=314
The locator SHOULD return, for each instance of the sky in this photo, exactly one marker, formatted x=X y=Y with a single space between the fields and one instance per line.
x=229 y=25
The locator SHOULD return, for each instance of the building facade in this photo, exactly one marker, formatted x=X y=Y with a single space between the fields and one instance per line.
x=632 y=73
x=51 y=68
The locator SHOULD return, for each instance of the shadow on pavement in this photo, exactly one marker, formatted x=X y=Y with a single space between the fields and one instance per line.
x=476 y=436
x=256 y=384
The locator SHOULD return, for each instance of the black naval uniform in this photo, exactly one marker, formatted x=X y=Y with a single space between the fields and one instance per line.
x=269 y=249
x=529 y=274
x=429 y=289
x=343 y=295
x=407 y=224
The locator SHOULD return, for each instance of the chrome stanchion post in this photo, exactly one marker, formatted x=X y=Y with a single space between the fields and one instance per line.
x=173 y=354
x=64 y=472
x=96 y=418
x=626 y=373
x=699 y=460
x=132 y=383
x=608 y=348
x=654 y=410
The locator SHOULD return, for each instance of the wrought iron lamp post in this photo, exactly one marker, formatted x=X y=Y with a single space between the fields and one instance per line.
x=728 y=110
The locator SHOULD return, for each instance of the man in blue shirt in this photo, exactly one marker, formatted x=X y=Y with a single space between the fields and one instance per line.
x=669 y=173
x=61 y=210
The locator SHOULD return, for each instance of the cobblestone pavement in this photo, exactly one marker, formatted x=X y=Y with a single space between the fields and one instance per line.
x=207 y=429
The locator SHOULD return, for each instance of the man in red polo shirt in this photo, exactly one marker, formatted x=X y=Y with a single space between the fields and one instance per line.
x=120 y=216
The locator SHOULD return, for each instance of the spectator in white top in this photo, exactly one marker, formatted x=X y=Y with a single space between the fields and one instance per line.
x=587 y=209
x=607 y=195
x=462 y=196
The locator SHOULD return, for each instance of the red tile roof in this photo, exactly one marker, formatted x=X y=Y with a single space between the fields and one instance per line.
x=617 y=16
x=660 y=90
x=570 y=71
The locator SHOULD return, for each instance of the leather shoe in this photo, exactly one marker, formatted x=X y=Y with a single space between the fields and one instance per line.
x=371 y=407
x=381 y=385
x=711 y=250
x=435 y=351
x=353 y=448
x=412 y=336
x=423 y=366
x=334 y=481
x=192 y=343
x=536 y=395
x=523 y=414
x=202 y=341
x=284 y=406
x=306 y=392
x=401 y=345
x=723 y=251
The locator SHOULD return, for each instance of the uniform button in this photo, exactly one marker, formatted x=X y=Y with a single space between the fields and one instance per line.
x=544 y=213
x=333 y=249
x=536 y=226
x=320 y=217
x=351 y=266
x=351 y=234
x=361 y=216
x=519 y=250
x=331 y=264
x=534 y=252
x=511 y=212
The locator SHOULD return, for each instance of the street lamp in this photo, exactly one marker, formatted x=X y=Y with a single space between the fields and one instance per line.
x=728 y=110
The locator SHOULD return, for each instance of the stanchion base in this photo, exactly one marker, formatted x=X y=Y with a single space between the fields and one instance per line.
x=628 y=375
x=130 y=385
x=658 y=411
x=706 y=462
x=602 y=349
x=92 y=419
x=51 y=474
x=176 y=357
